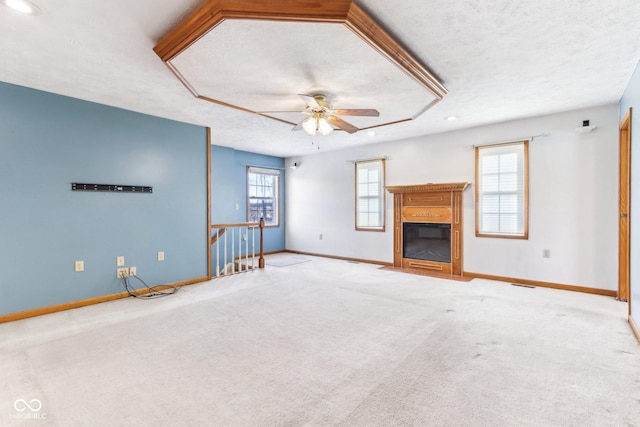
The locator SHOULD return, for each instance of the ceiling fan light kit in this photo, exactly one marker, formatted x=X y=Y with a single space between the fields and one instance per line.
x=317 y=124
x=322 y=117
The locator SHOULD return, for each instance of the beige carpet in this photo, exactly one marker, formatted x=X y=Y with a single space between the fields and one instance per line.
x=325 y=343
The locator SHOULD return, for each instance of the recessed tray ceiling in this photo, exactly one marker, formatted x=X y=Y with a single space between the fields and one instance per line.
x=257 y=58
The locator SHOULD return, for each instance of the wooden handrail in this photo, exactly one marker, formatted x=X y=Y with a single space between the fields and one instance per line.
x=236 y=224
x=218 y=235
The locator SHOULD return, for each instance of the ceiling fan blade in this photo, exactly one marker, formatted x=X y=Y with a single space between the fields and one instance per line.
x=279 y=112
x=299 y=125
x=357 y=112
x=338 y=122
x=309 y=100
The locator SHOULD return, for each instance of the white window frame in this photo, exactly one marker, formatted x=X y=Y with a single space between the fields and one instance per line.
x=252 y=195
x=502 y=190
x=370 y=195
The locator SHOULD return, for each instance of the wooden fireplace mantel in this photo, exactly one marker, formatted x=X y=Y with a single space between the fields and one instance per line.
x=429 y=203
x=427 y=188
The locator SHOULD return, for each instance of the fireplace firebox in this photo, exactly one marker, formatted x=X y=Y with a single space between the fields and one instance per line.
x=427 y=241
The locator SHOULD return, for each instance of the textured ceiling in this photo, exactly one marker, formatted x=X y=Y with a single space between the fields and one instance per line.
x=331 y=49
x=499 y=59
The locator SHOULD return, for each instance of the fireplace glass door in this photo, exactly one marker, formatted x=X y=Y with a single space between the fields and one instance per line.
x=427 y=241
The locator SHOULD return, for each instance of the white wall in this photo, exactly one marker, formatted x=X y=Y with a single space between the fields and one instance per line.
x=573 y=198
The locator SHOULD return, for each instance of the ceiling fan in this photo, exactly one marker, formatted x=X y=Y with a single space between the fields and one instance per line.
x=322 y=117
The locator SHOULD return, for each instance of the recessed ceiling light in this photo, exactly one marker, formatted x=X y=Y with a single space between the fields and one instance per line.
x=451 y=118
x=22 y=6
x=371 y=133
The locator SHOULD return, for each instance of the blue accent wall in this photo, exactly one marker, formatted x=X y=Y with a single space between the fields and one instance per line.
x=47 y=142
x=229 y=187
x=631 y=99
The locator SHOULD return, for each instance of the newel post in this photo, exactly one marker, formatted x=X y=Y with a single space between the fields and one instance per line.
x=261 y=259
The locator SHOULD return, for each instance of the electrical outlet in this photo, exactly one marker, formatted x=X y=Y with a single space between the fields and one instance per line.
x=79 y=266
x=160 y=256
x=546 y=253
x=120 y=261
x=132 y=271
x=320 y=236
x=122 y=272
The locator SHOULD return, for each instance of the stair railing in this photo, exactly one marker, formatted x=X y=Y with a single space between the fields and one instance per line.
x=234 y=258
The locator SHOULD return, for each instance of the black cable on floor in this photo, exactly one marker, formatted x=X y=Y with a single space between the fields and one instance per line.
x=153 y=291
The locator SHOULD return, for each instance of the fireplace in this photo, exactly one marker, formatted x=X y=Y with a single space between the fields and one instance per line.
x=426 y=241
x=428 y=227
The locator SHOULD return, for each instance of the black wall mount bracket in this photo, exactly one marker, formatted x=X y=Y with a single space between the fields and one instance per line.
x=76 y=186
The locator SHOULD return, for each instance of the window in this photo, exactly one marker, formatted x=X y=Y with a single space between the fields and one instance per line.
x=502 y=190
x=262 y=195
x=370 y=200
